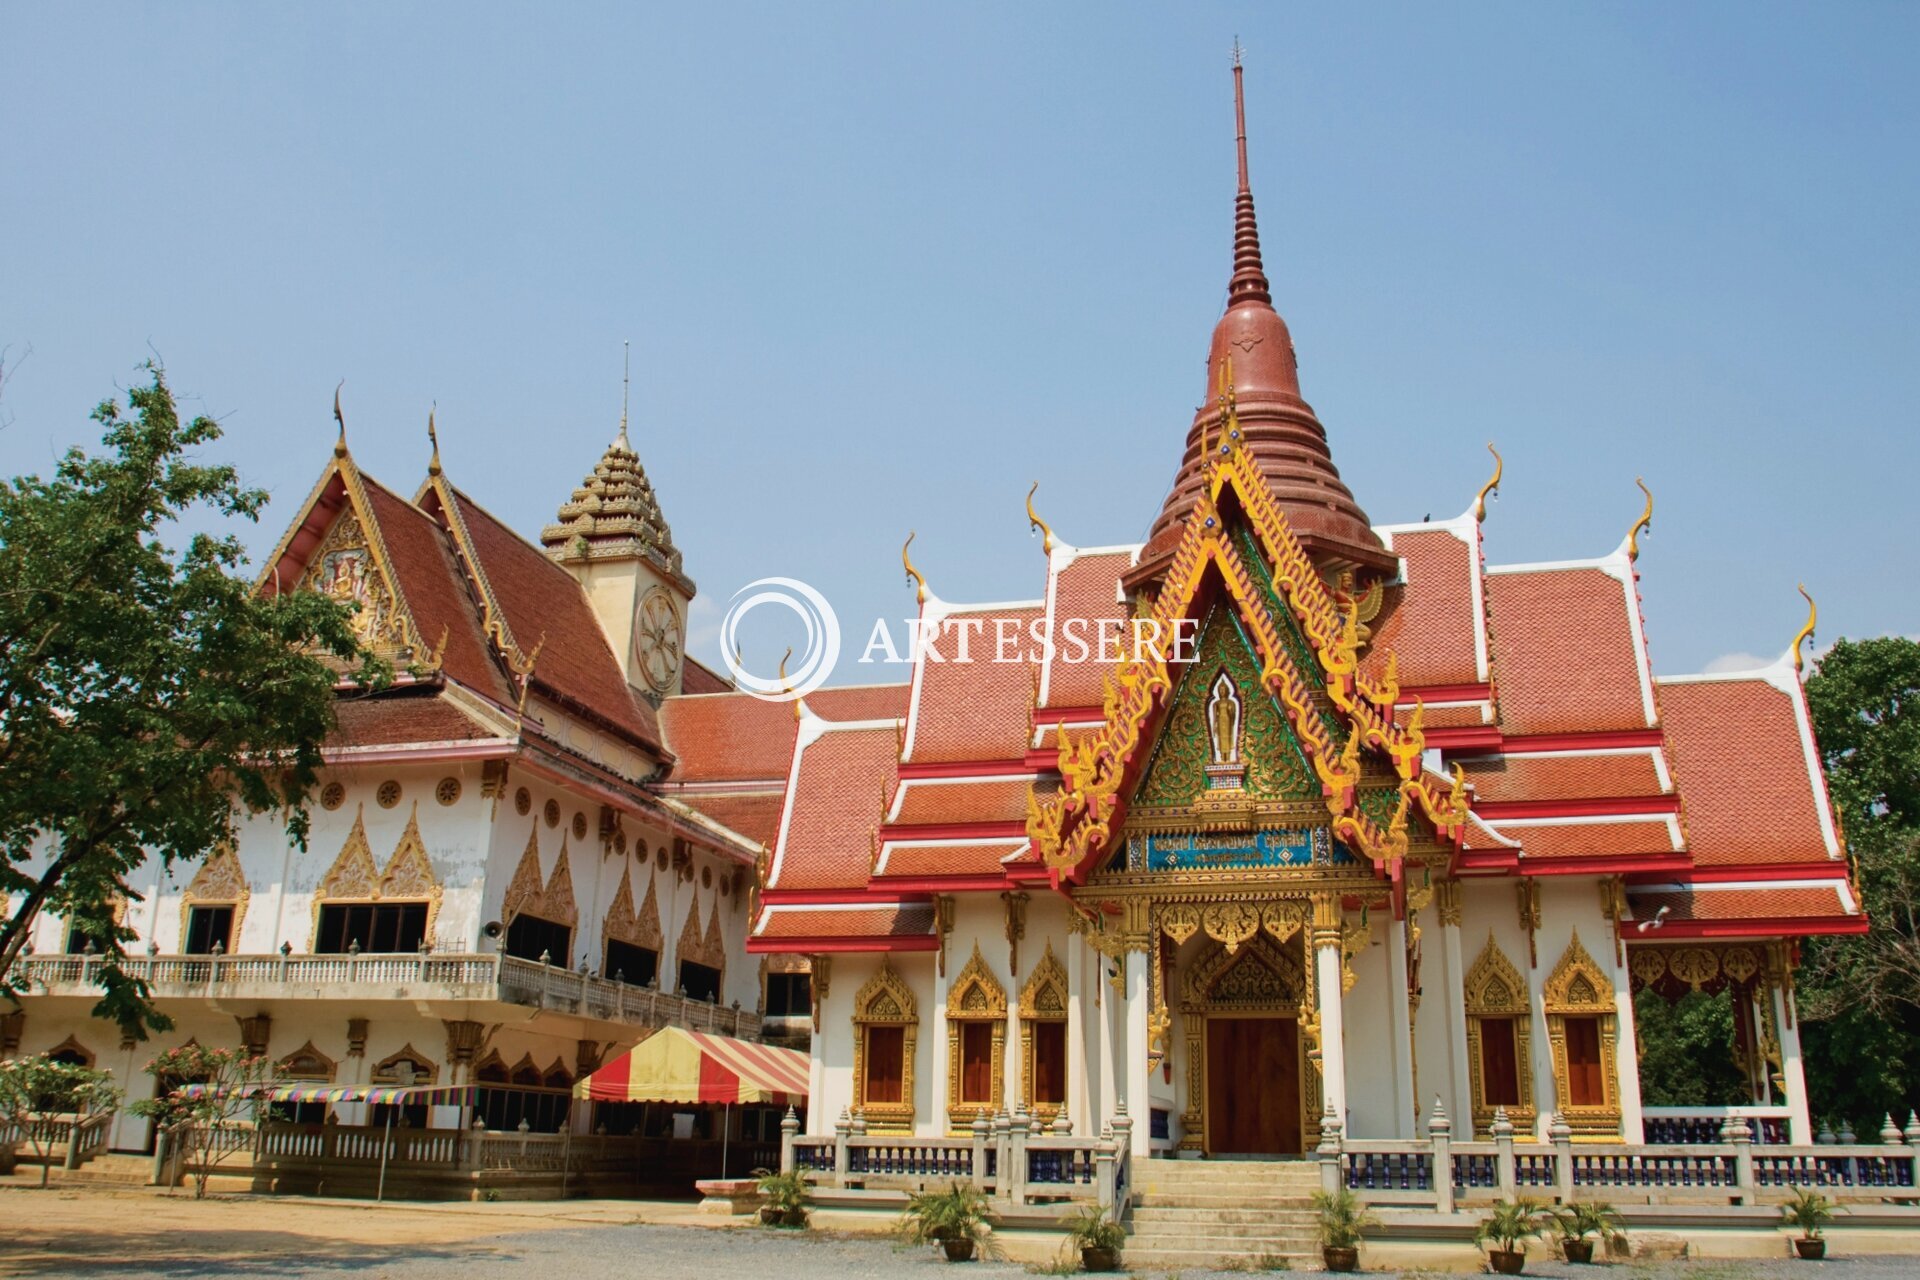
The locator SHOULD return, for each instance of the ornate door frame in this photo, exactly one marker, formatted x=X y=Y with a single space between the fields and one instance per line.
x=1255 y=978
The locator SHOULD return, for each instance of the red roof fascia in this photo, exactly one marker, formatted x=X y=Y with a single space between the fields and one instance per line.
x=1041 y=759
x=1637 y=806
x=1760 y=926
x=1487 y=860
x=962 y=769
x=1781 y=872
x=1521 y=744
x=946 y=884
x=1464 y=738
x=1048 y=717
x=826 y=943
x=817 y=897
x=1444 y=693
x=954 y=831
x=1615 y=864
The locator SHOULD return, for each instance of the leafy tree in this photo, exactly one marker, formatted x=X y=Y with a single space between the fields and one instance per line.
x=1686 y=1051
x=39 y=1086
x=210 y=1119
x=145 y=693
x=1860 y=996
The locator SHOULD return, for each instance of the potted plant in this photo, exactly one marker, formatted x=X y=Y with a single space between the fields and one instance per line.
x=1507 y=1228
x=1099 y=1236
x=1583 y=1218
x=787 y=1198
x=1343 y=1221
x=955 y=1219
x=1808 y=1210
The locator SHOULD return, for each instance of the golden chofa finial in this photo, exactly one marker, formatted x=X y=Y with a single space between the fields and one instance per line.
x=340 y=445
x=784 y=686
x=1035 y=522
x=1491 y=489
x=433 y=437
x=906 y=562
x=1641 y=525
x=1806 y=632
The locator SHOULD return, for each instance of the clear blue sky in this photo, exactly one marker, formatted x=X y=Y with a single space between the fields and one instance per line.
x=885 y=265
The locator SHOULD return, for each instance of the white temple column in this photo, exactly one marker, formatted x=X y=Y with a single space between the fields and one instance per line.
x=1080 y=1083
x=1327 y=989
x=1453 y=980
x=937 y=1045
x=1106 y=1038
x=1626 y=1052
x=1400 y=1011
x=1800 y=1114
x=1138 y=1104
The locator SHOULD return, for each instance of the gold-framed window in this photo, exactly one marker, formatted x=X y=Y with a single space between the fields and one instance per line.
x=1583 y=1032
x=1499 y=1041
x=886 y=1026
x=976 y=1042
x=1043 y=1038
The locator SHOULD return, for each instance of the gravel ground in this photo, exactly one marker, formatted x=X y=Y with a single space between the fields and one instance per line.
x=691 y=1253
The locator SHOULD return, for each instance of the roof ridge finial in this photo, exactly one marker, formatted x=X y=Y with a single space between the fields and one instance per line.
x=340 y=445
x=626 y=387
x=1249 y=282
x=433 y=463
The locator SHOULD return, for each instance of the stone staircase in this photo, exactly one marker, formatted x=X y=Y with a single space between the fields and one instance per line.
x=1224 y=1214
x=101 y=1170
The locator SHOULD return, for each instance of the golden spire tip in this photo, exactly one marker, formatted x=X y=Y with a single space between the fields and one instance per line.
x=906 y=561
x=1641 y=525
x=1806 y=632
x=340 y=445
x=433 y=463
x=1035 y=522
x=1491 y=488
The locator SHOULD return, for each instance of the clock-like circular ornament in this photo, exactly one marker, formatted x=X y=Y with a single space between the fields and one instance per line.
x=656 y=639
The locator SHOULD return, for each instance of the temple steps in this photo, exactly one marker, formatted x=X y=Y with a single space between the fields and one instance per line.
x=1235 y=1214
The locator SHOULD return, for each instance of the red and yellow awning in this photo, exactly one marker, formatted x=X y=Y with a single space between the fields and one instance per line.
x=676 y=1065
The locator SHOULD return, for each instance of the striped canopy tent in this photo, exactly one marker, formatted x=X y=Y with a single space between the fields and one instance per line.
x=427 y=1095
x=676 y=1065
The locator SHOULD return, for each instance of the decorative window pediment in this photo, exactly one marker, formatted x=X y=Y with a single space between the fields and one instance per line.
x=886 y=1020
x=527 y=895
x=1043 y=1025
x=976 y=1042
x=354 y=877
x=1583 y=1034
x=307 y=1065
x=1578 y=984
x=1499 y=1040
x=391 y=1069
x=219 y=882
x=639 y=928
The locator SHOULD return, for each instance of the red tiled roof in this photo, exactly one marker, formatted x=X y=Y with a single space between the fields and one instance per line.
x=726 y=737
x=1741 y=765
x=436 y=591
x=1591 y=838
x=845 y=920
x=1459 y=716
x=1788 y=900
x=976 y=710
x=1085 y=592
x=1563 y=777
x=755 y=815
x=1564 y=656
x=399 y=718
x=940 y=801
x=545 y=606
x=967 y=858
x=1428 y=623
x=697 y=677
x=842 y=785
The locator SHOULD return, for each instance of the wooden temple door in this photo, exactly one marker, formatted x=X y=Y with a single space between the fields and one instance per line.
x=1253 y=1086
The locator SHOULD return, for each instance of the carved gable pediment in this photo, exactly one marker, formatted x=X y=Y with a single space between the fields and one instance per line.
x=352 y=874
x=885 y=998
x=976 y=993
x=1045 y=995
x=1577 y=984
x=1494 y=985
x=524 y=890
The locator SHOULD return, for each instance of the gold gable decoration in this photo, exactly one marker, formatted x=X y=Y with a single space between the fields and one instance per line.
x=1494 y=988
x=220 y=882
x=624 y=924
x=1579 y=989
x=975 y=997
x=884 y=1000
x=348 y=566
x=353 y=877
x=526 y=895
x=556 y=903
x=715 y=944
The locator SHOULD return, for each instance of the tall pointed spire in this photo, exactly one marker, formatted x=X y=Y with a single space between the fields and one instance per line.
x=1278 y=427
x=1249 y=276
x=626 y=387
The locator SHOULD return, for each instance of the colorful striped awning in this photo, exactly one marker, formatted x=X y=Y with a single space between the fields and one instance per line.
x=420 y=1095
x=677 y=1065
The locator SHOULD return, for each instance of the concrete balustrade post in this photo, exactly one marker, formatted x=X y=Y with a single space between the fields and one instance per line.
x=1737 y=1132
x=1440 y=1138
x=982 y=1133
x=789 y=1130
x=842 y=1133
x=1016 y=1175
x=1503 y=1154
x=1912 y=1135
x=1560 y=1134
x=1103 y=1163
x=1122 y=1124
x=1329 y=1152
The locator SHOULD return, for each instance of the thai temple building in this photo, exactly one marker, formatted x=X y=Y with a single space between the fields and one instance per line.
x=1283 y=815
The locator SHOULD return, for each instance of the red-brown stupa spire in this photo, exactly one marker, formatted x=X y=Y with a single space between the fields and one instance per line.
x=1278 y=427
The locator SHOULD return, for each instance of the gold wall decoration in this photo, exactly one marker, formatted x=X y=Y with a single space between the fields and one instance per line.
x=1016 y=908
x=636 y=928
x=1353 y=940
x=885 y=1001
x=1180 y=921
x=526 y=895
x=1494 y=988
x=820 y=978
x=220 y=882
x=353 y=877
x=1579 y=988
x=1259 y=978
x=975 y=998
x=1230 y=923
x=1528 y=892
x=1285 y=918
x=1448 y=894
